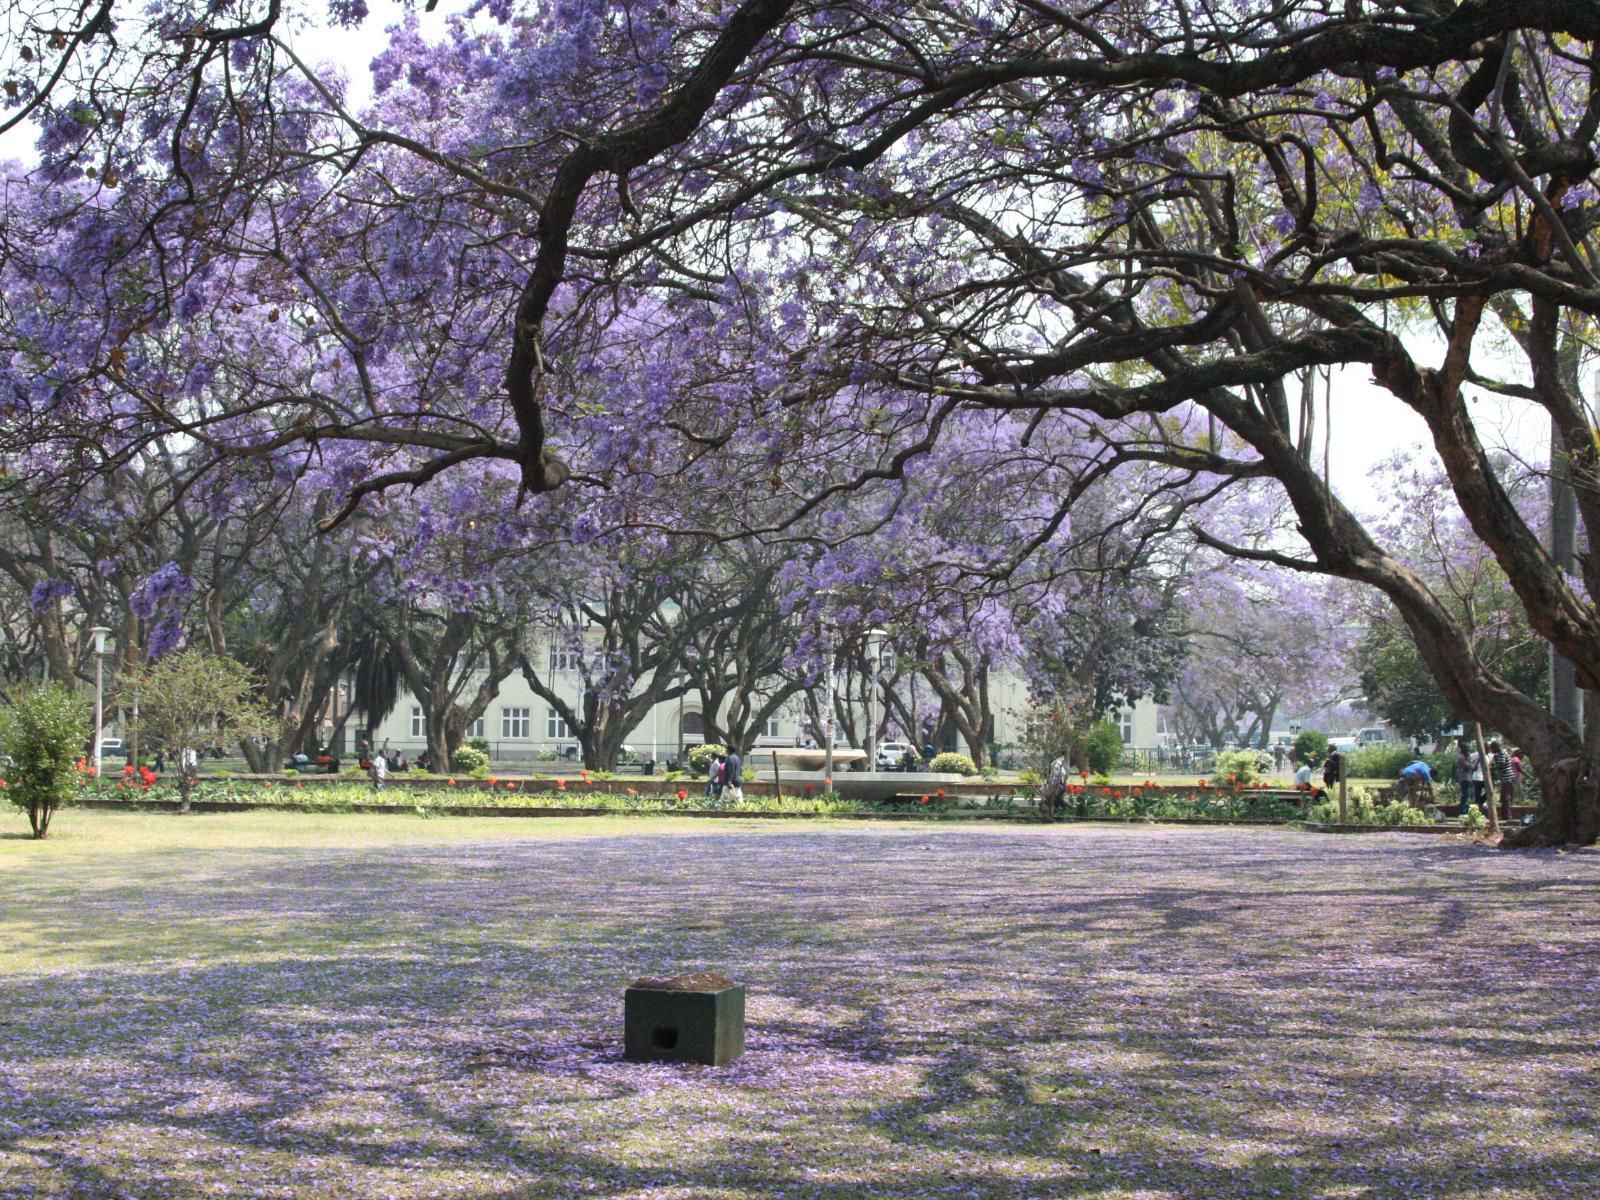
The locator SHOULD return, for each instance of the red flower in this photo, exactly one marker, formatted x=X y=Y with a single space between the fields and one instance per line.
x=1083 y=774
x=924 y=800
x=682 y=795
x=451 y=781
x=127 y=768
x=940 y=793
x=810 y=788
x=511 y=785
x=561 y=784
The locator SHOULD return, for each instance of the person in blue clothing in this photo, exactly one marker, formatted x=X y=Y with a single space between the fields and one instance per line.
x=733 y=777
x=1416 y=781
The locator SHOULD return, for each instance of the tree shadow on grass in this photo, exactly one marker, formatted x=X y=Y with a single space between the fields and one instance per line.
x=1014 y=1017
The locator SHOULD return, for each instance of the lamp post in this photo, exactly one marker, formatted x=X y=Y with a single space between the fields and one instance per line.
x=99 y=634
x=875 y=656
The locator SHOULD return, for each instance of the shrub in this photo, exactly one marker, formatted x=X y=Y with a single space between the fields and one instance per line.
x=700 y=757
x=481 y=745
x=1236 y=766
x=951 y=763
x=1399 y=812
x=1311 y=746
x=1103 y=748
x=1377 y=762
x=468 y=759
x=1474 y=820
x=43 y=732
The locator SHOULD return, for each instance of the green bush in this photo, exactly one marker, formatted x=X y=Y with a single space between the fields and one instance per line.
x=1103 y=748
x=1242 y=765
x=468 y=759
x=43 y=732
x=700 y=757
x=1399 y=812
x=481 y=745
x=1311 y=746
x=1377 y=762
x=951 y=763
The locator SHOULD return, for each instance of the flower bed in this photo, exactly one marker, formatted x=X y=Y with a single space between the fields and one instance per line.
x=543 y=797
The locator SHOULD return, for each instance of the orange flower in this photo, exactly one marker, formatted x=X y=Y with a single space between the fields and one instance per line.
x=451 y=781
x=493 y=782
x=561 y=784
x=827 y=782
x=511 y=785
x=924 y=800
x=633 y=792
x=940 y=793
x=127 y=768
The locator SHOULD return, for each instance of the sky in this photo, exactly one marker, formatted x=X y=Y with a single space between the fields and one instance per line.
x=1368 y=426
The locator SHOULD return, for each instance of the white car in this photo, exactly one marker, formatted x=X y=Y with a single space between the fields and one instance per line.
x=893 y=754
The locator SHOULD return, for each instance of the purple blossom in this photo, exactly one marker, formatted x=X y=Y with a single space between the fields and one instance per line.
x=47 y=591
x=168 y=584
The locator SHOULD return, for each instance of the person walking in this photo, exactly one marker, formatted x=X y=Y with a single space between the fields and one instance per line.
x=1504 y=778
x=1055 y=785
x=733 y=777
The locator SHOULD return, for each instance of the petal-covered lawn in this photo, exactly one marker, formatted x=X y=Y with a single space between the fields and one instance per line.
x=289 y=1006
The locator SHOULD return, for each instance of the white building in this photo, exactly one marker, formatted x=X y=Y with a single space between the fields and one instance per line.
x=519 y=725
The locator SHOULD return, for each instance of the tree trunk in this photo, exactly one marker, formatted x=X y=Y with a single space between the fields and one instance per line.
x=1569 y=807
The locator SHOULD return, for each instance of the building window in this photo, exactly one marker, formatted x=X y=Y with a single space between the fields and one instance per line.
x=771 y=728
x=555 y=727
x=562 y=659
x=1125 y=724
x=419 y=723
x=514 y=722
x=475 y=730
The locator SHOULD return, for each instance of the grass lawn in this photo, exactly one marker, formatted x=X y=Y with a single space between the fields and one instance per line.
x=276 y=1005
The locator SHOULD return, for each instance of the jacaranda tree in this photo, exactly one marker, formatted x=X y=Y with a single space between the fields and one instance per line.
x=626 y=250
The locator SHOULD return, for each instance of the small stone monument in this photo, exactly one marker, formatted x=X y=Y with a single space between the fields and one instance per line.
x=698 y=1017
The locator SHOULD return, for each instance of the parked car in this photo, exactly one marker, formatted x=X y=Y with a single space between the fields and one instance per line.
x=892 y=755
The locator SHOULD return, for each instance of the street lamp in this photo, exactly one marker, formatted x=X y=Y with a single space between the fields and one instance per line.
x=875 y=655
x=99 y=634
